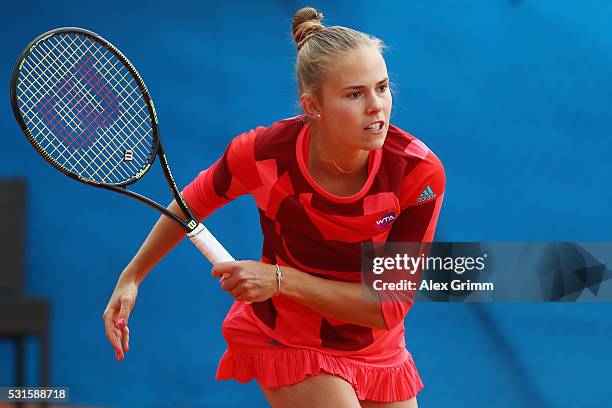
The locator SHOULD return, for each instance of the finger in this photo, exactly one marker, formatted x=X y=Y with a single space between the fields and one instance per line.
x=125 y=339
x=230 y=283
x=225 y=269
x=124 y=313
x=245 y=296
x=119 y=352
x=217 y=270
x=109 y=326
x=237 y=292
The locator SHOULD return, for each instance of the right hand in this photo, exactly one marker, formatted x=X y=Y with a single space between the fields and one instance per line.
x=117 y=314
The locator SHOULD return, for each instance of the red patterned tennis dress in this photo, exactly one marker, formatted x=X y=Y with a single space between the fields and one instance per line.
x=280 y=342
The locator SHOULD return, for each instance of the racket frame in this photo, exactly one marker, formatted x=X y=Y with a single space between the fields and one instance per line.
x=190 y=223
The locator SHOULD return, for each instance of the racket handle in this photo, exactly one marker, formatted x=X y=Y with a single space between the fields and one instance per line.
x=209 y=246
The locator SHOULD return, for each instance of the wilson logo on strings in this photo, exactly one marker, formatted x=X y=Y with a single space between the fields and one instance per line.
x=80 y=107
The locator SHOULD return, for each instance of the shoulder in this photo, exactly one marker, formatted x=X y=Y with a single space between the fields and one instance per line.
x=420 y=171
x=402 y=147
x=282 y=130
x=266 y=142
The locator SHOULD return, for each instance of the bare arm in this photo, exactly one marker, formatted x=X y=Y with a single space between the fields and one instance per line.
x=255 y=282
x=163 y=237
x=340 y=300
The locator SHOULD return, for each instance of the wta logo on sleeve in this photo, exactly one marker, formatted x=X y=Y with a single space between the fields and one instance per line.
x=386 y=220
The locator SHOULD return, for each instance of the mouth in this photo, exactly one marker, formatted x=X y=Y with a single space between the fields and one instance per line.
x=375 y=127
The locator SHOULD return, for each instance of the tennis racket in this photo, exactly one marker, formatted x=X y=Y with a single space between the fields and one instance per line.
x=86 y=110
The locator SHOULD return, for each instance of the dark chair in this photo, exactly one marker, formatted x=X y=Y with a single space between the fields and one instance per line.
x=20 y=315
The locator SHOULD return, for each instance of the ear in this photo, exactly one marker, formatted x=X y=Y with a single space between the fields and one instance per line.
x=310 y=105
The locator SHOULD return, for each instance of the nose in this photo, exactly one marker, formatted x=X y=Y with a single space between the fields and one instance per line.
x=375 y=104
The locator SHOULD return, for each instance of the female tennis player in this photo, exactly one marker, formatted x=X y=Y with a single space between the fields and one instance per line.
x=324 y=182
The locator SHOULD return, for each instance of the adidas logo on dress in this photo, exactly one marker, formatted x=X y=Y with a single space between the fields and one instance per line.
x=426 y=195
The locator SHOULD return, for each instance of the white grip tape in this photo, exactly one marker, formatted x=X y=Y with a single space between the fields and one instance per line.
x=209 y=246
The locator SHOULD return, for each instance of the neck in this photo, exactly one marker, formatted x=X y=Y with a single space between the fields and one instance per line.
x=334 y=158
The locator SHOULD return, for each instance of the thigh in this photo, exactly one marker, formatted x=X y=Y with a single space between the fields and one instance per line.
x=321 y=391
x=412 y=403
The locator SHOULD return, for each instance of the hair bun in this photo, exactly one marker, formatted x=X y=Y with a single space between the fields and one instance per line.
x=306 y=22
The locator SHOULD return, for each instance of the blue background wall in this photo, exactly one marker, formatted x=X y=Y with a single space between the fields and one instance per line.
x=513 y=96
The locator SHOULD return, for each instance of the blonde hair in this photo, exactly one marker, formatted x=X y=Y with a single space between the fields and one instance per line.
x=317 y=44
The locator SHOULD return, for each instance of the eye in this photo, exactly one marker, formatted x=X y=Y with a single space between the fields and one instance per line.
x=354 y=95
x=383 y=88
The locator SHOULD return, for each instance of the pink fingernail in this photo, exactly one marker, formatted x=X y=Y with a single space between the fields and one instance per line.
x=121 y=322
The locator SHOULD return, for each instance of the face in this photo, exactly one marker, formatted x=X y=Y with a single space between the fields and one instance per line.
x=354 y=104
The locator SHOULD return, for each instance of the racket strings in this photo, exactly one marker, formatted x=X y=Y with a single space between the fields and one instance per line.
x=79 y=145
x=30 y=104
x=90 y=96
x=84 y=109
x=105 y=148
x=59 y=104
x=61 y=107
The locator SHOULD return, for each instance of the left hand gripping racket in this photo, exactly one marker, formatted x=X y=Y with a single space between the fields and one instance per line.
x=86 y=110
